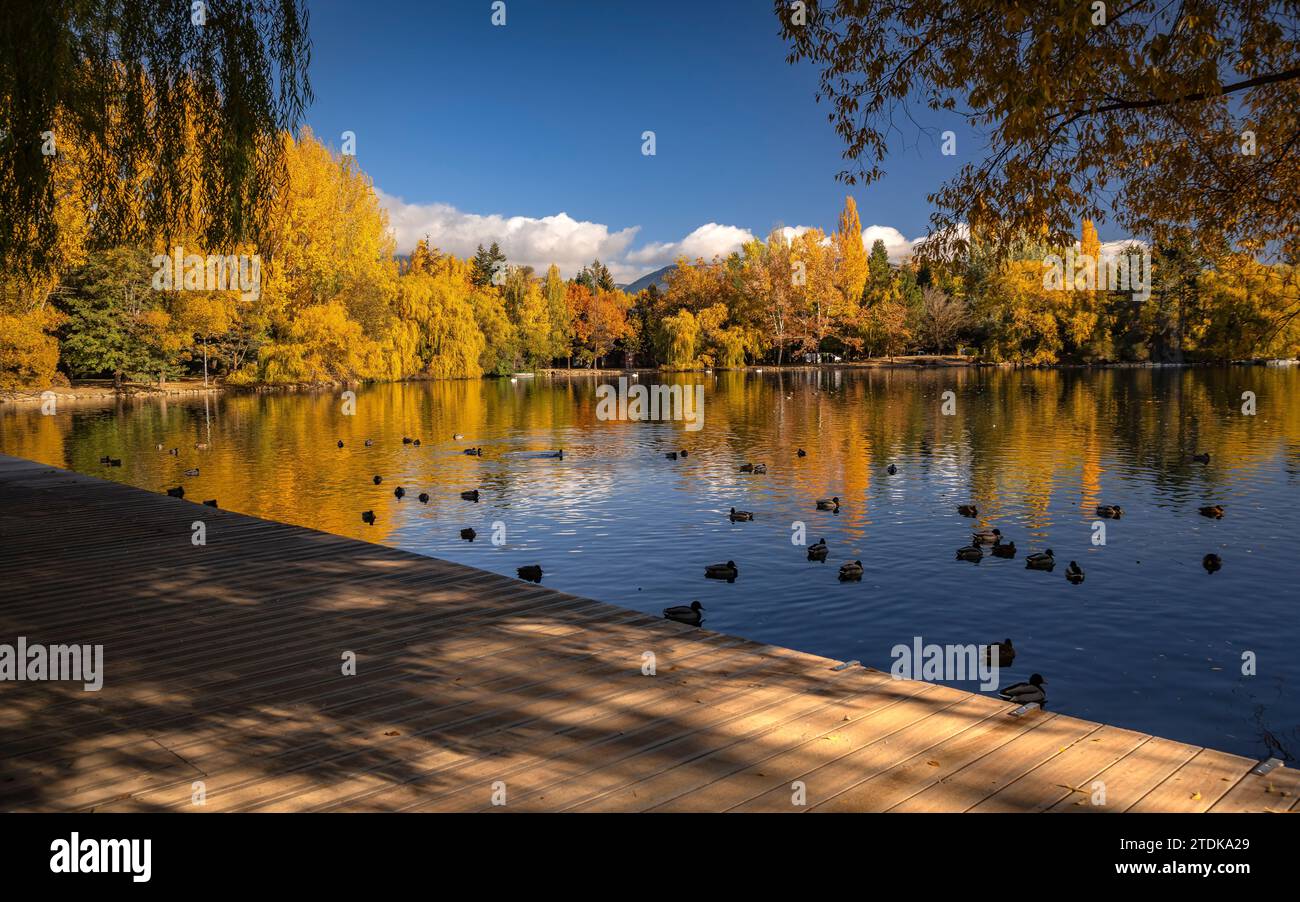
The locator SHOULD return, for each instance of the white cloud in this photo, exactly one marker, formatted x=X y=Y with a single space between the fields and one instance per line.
x=897 y=245
x=708 y=241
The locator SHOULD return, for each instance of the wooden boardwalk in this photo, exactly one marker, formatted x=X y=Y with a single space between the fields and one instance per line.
x=223 y=676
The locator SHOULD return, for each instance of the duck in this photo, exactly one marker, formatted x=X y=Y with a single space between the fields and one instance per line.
x=105 y=459
x=416 y=443
x=178 y=492
x=1212 y=510
x=747 y=468
x=671 y=455
x=468 y=534
x=1004 y=550
x=558 y=455
x=741 y=516
x=818 y=550
x=378 y=479
x=690 y=614
x=369 y=442
x=850 y=570
x=986 y=536
x=174 y=452
x=968 y=510
x=531 y=572
x=727 y=571
x=1026 y=693
x=157 y=447
x=972 y=553
x=1040 y=560
x=211 y=502
x=471 y=495
x=1202 y=458
x=802 y=453
x=193 y=471
x=458 y=437
x=424 y=497
x=828 y=504
x=1110 y=511
x=368 y=517
x=399 y=493
x=1005 y=650
x=473 y=452
x=891 y=469
x=684 y=453
x=760 y=468
x=1074 y=573
x=340 y=443
x=115 y=461
x=1212 y=563
x=406 y=440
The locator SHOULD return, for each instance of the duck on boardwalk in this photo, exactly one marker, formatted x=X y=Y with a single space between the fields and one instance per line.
x=1110 y=511
x=424 y=497
x=368 y=517
x=1212 y=563
x=468 y=534
x=727 y=571
x=828 y=504
x=1007 y=549
x=1040 y=560
x=1026 y=693
x=986 y=536
x=1202 y=458
x=1214 y=511
x=178 y=492
x=399 y=493
x=471 y=495
x=211 y=502
x=891 y=469
x=531 y=572
x=378 y=479
x=818 y=551
x=690 y=614
x=1074 y=573
x=1005 y=651
x=972 y=553
x=193 y=471
x=968 y=510
x=851 y=570
x=741 y=516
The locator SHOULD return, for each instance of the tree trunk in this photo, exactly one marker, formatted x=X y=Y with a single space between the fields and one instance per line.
x=205 y=364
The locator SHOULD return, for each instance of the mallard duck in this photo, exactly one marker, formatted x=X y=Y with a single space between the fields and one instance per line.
x=531 y=572
x=851 y=570
x=1202 y=458
x=416 y=443
x=406 y=440
x=369 y=442
x=747 y=468
x=685 y=453
x=468 y=534
x=689 y=614
x=1074 y=573
x=671 y=455
x=174 y=452
x=727 y=571
x=399 y=493
x=1110 y=511
x=378 y=479
x=1212 y=563
x=1006 y=653
x=340 y=443
x=1213 y=510
x=972 y=553
x=193 y=471
x=1026 y=693
x=424 y=497
x=1004 y=550
x=211 y=502
x=828 y=504
x=802 y=453
x=741 y=516
x=986 y=536
x=458 y=437
x=818 y=551
x=891 y=469
x=473 y=452
x=368 y=517
x=470 y=495
x=760 y=468
x=178 y=492
x=968 y=510
x=1040 y=560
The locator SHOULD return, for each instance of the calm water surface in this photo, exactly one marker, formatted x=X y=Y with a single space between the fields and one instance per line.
x=1149 y=641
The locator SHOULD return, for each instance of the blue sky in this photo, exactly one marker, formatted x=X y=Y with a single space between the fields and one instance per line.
x=473 y=131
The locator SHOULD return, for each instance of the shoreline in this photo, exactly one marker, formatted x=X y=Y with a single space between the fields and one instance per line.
x=102 y=390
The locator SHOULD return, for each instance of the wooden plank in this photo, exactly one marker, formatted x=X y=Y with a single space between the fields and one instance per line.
x=1196 y=785
x=1133 y=776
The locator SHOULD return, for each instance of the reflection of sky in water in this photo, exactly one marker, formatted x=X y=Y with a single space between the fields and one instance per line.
x=1149 y=641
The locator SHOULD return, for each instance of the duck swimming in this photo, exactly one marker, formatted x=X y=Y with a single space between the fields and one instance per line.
x=828 y=504
x=406 y=440
x=852 y=570
x=682 y=613
x=399 y=493
x=727 y=571
x=1006 y=653
x=368 y=517
x=741 y=516
x=470 y=495
x=468 y=534
x=1202 y=458
x=1074 y=573
x=1040 y=560
x=378 y=479
x=818 y=551
x=1214 y=511
x=891 y=469
x=986 y=536
x=458 y=437
x=1007 y=550
x=340 y=443
x=760 y=468
x=424 y=497
x=369 y=442
x=968 y=510
x=972 y=553
x=802 y=453
x=531 y=572
x=1212 y=563
x=193 y=471
x=1026 y=693
x=747 y=468
x=671 y=455
x=1110 y=511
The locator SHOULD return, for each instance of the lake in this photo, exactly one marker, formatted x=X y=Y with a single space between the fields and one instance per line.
x=1150 y=640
